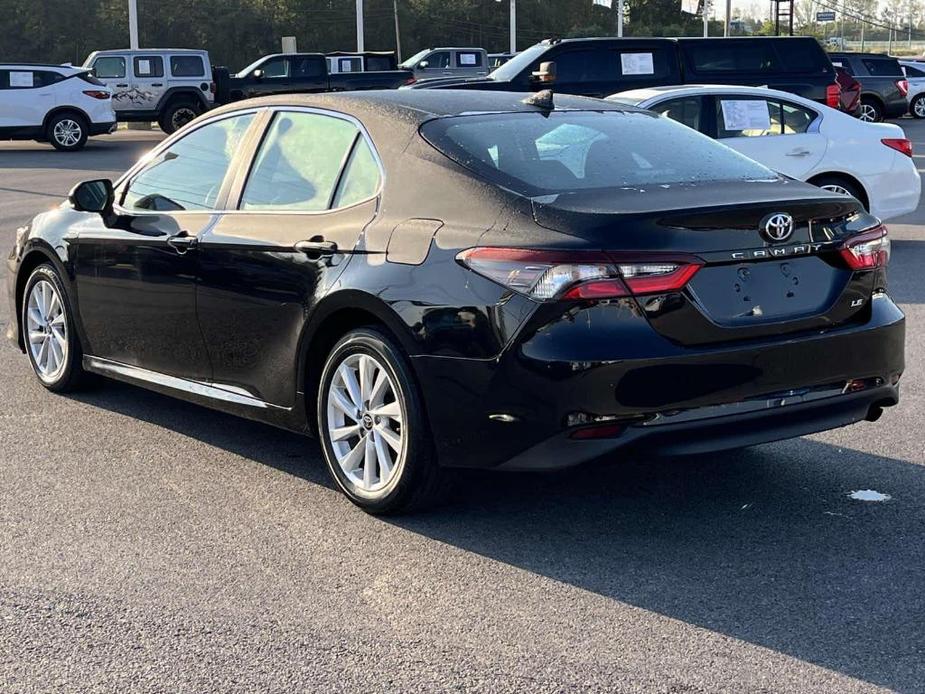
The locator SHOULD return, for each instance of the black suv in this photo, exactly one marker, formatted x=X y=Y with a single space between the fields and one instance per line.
x=883 y=84
x=603 y=66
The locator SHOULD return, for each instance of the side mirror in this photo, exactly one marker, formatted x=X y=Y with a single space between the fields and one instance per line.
x=546 y=74
x=258 y=74
x=92 y=196
x=423 y=64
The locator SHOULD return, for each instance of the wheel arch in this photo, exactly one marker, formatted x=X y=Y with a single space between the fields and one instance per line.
x=331 y=320
x=181 y=94
x=37 y=254
x=58 y=110
x=848 y=178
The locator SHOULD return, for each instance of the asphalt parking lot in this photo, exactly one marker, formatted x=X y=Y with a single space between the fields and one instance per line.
x=151 y=545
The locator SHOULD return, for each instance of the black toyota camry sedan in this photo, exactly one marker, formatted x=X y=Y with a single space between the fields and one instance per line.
x=437 y=279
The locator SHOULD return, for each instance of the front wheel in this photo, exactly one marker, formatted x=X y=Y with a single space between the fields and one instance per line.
x=372 y=427
x=48 y=332
x=917 y=107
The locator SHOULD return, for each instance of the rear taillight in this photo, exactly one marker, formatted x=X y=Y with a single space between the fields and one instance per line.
x=551 y=275
x=903 y=86
x=868 y=250
x=900 y=144
x=833 y=96
x=212 y=87
x=411 y=80
x=97 y=93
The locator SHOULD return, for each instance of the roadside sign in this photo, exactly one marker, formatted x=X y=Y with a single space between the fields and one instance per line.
x=828 y=16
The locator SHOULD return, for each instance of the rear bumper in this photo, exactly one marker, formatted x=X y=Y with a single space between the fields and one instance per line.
x=104 y=128
x=520 y=410
x=897 y=191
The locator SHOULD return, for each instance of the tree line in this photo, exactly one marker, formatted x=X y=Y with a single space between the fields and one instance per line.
x=235 y=32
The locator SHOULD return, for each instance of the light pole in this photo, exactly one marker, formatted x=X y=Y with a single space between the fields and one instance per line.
x=133 y=24
x=513 y=42
x=728 y=28
x=360 y=48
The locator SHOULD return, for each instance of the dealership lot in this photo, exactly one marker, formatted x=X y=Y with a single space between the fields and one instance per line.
x=154 y=545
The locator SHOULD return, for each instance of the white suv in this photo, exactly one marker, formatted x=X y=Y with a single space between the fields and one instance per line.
x=59 y=104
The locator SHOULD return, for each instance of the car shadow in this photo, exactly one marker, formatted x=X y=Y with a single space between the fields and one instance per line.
x=762 y=545
x=107 y=155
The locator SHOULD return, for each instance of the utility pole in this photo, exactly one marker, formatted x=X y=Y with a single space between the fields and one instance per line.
x=728 y=28
x=513 y=27
x=397 y=33
x=620 y=18
x=706 y=17
x=133 y=24
x=360 y=45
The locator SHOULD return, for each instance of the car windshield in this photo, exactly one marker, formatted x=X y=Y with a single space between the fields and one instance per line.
x=412 y=61
x=547 y=153
x=518 y=63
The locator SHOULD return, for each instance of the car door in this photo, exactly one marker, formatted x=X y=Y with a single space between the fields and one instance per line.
x=112 y=70
x=136 y=273
x=308 y=73
x=311 y=190
x=782 y=135
x=147 y=82
x=272 y=76
x=435 y=64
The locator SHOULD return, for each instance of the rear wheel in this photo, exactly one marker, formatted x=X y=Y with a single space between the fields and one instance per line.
x=917 y=107
x=372 y=429
x=67 y=132
x=839 y=185
x=871 y=110
x=48 y=332
x=176 y=115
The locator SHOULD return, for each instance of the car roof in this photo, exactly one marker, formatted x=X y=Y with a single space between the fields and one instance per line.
x=641 y=95
x=146 y=51
x=43 y=66
x=847 y=54
x=418 y=106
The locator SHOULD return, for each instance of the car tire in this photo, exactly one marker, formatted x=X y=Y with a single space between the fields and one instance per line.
x=871 y=110
x=840 y=185
x=917 y=107
x=176 y=115
x=67 y=132
x=49 y=335
x=374 y=435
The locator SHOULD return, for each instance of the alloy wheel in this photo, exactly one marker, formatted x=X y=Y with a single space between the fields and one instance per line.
x=835 y=188
x=67 y=132
x=868 y=113
x=365 y=422
x=918 y=107
x=46 y=325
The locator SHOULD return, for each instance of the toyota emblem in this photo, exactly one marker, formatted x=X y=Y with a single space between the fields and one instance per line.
x=778 y=227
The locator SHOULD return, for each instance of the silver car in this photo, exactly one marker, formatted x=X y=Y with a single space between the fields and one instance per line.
x=448 y=62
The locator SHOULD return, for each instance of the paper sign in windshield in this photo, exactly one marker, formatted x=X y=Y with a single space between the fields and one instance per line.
x=21 y=79
x=637 y=64
x=746 y=115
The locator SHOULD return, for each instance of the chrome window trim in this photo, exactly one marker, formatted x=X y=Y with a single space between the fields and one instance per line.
x=127 y=177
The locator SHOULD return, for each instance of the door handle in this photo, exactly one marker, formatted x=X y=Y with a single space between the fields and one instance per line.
x=157 y=84
x=182 y=242
x=798 y=153
x=121 y=85
x=316 y=246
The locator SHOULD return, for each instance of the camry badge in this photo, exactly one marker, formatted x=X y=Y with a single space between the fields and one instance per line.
x=778 y=227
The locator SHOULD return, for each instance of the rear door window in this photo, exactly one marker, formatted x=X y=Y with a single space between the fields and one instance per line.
x=309 y=66
x=186 y=66
x=148 y=66
x=299 y=163
x=740 y=116
x=468 y=59
x=109 y=67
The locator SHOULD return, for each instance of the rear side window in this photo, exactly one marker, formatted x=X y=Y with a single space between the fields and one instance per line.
x=738 y=116
x=109 y=67
x=299 y=163
x=148 y=66
x=536 y=154
x=799 y=56
x=309 y=66
x=361 y=177
x=685 y=111
x=913 y=71
x=883 y=67
x=28 y=79
x=732 y=56
x=186 y=66
x=469 y=59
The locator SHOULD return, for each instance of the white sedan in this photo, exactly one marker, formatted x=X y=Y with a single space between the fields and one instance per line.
x=799 y=138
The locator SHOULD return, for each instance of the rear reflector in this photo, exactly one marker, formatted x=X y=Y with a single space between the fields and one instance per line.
x=97 y=94
x=868 y=250
x=900 y=144
x=903 y=86
x=833 y=96
x=551 y=275
x=598 y=431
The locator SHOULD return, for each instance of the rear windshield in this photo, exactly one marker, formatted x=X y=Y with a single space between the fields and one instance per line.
x=535 y=154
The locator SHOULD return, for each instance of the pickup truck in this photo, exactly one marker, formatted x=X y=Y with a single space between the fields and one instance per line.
x=302 y=73
x=602 y=66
